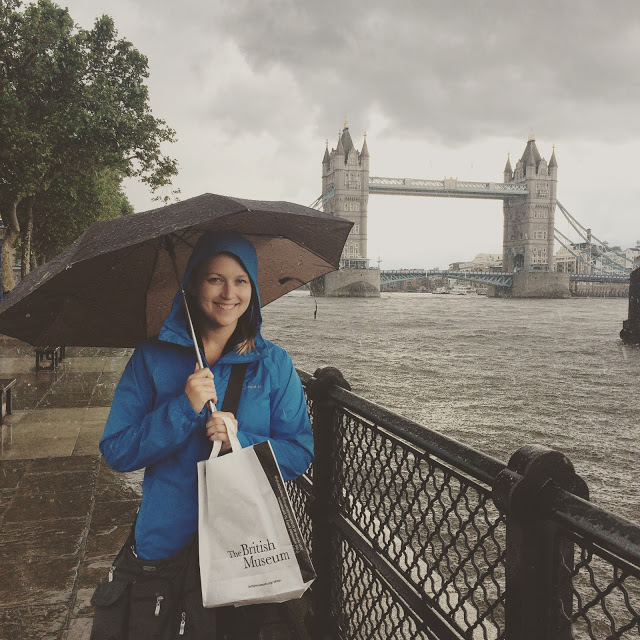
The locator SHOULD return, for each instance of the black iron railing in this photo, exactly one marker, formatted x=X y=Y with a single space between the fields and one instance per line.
x=414 y=535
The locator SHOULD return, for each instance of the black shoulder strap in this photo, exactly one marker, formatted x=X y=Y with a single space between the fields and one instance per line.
x=234 y=388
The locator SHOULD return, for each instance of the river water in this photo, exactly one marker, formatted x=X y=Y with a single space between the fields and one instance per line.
x=492 y=373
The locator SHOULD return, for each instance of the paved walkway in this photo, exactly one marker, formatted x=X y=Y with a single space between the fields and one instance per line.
x=63 y=512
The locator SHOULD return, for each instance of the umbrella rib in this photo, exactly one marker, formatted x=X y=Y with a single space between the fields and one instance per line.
x=181 y=238
x=306 y=248
x=151 y=272
x=75 y=294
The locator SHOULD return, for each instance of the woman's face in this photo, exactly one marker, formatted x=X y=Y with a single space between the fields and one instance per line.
x=223 y=290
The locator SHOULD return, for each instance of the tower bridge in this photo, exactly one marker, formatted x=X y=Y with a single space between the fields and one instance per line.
x=529 y=201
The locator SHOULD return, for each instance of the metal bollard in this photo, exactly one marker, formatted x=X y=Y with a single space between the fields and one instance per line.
x=631 y=327
x=538 y=561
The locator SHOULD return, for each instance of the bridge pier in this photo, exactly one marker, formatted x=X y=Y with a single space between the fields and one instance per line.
x=535 y=284
x=348 y=283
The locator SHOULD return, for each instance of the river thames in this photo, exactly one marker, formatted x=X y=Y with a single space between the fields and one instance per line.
x=492 y=373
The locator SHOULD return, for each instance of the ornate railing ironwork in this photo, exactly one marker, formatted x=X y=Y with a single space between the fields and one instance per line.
x=417 y=536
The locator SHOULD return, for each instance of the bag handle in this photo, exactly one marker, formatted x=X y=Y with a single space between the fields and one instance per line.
x=230 y=404
x=233 y=439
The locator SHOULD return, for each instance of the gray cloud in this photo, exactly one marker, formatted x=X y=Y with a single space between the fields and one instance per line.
x=451 y=71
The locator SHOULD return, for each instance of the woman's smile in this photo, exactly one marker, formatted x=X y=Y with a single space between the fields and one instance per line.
x=223 y=290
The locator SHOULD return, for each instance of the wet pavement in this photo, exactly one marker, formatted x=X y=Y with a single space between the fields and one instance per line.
x=64 y=513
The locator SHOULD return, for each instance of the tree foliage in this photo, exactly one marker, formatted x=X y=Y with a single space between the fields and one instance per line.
x=73 y=106
x=70 y=194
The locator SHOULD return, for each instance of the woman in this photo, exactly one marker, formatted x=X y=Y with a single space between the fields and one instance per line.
x=159 y=418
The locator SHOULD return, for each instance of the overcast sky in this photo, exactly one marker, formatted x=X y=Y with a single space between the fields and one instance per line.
x=253 y=89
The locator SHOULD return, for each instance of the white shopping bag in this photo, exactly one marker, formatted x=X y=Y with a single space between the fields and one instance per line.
x=251 y=550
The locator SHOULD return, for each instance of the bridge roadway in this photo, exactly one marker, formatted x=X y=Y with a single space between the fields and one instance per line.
x=498 y=279
x=449 y=187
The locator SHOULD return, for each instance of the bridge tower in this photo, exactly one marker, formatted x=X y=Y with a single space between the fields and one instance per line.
x=345 y=172
x=529 y=221
x=345 y=193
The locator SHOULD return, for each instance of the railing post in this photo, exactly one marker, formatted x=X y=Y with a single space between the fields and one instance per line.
x=539 y=599
x=2 y=235
x=323 y=623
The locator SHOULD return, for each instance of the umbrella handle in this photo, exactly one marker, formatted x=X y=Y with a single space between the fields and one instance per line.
x=172 y=254
x=212 y=407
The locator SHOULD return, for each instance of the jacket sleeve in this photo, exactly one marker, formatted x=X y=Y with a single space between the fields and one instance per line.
x=139 y=431
x=290 y=430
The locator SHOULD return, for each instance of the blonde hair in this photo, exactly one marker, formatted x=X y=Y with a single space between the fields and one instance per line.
x=248 y=331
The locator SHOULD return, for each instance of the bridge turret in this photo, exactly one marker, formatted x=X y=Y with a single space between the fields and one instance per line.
x=347 y=142
x=543 y=170
x=364 y=155
x=365 y=150
x=508 y=171
x=326 y=161
x=326 y=168
x=553 y=164
x=530 y=158
x=340 y=147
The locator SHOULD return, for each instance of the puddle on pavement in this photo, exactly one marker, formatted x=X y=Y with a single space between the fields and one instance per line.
x=65 y=520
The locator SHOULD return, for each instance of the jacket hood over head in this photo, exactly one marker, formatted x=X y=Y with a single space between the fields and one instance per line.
x=175 y=327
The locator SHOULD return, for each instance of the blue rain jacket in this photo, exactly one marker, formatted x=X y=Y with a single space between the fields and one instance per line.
x=152 y=425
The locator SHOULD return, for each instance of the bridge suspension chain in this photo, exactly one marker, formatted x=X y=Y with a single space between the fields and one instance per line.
x=583 y=233
x=319 y=202
x=316 y=204
x=577 y=255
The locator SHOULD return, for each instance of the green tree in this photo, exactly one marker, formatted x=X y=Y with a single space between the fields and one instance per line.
x=72 y=102
x=84 y=199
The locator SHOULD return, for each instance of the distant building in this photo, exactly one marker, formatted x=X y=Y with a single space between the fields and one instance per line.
x=589 y=258
x=482 y=263
x=634 y=253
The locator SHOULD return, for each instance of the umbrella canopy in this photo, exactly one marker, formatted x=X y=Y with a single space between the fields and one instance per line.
x=114 y=286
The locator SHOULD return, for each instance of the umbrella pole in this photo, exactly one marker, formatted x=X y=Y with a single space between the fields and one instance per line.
x=172 y=254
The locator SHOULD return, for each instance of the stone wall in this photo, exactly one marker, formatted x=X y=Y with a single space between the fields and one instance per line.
x=535 y=284
x=600 y=289
x=348 y=283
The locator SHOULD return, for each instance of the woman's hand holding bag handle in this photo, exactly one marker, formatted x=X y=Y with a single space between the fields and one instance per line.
x=232 y=433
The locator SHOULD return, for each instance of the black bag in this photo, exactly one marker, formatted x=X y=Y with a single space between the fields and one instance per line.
x=152 y=600
x=162 y=599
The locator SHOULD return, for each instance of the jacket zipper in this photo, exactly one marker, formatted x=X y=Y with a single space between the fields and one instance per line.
x=183 y=622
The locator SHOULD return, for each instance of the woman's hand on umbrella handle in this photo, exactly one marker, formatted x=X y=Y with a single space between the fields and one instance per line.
x=200 y=388
x=217 y=429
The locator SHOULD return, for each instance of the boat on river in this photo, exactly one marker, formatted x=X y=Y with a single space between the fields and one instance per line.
x=461 y=289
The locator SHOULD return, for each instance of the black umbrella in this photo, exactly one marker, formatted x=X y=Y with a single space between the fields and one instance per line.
x=114 y=286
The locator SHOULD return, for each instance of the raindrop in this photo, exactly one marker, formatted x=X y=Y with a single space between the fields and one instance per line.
x=28 y=315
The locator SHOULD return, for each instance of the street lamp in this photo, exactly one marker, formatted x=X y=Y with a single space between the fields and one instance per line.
x=2 y=232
